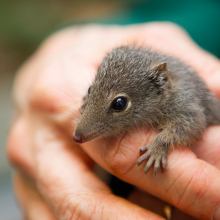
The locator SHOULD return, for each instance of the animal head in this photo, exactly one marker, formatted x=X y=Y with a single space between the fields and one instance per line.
x=127 y=92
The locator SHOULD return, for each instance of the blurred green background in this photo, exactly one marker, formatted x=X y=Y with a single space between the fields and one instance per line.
x=24 y=24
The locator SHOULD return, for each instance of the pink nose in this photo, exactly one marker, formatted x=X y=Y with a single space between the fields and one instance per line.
x=77 y=139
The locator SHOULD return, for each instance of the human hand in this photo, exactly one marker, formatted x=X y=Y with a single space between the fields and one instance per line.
x=48 y=93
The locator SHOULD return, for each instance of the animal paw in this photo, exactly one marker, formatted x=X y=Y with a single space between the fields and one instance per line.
x=155 y=154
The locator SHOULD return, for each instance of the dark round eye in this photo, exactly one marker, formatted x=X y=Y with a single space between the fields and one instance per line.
x=89 y=90
x=119 y=104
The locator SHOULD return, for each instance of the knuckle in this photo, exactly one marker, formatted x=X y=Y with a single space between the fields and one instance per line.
x=80 y=206
x=35 y=85
x=167 y=28
x=17 y=142
x=41 y=96
x=173 y=27
x=210 y=70
x=52 y=93
x=12 y=148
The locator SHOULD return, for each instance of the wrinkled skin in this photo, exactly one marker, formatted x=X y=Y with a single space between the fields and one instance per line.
x=54 y=176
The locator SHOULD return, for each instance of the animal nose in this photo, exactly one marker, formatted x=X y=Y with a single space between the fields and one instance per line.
x=77 y=139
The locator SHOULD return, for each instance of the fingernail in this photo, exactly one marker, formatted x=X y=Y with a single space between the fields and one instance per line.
x=216 y=215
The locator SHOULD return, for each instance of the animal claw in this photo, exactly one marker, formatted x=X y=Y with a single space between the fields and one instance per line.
x=154 y=155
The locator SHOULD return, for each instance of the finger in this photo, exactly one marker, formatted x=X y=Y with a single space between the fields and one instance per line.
x=72 y=189
x=19 y=146
x=29 y=199
x=156 y=205
x=65 y=181
x=91 y=196
x=208 y=148
x=188 y=183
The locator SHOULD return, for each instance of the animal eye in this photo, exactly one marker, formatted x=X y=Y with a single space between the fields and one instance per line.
x=89 y=90
x=119 y=104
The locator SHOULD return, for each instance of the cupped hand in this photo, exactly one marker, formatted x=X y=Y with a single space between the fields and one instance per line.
x=54 y=176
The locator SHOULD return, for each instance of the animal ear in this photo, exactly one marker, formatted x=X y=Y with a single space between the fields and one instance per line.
x=160 y=72
x=160 y=68
x=159 y=75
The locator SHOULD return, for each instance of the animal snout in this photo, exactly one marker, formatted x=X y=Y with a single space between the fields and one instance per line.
x=87 y=132
x=77 y=139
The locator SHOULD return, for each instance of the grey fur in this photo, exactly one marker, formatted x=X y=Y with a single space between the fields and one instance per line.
x=163 y=92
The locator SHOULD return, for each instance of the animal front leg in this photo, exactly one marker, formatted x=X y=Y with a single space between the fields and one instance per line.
x=156 y=153
x=180 y=132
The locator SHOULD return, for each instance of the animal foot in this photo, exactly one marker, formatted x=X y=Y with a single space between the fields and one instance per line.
x=155 y=154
